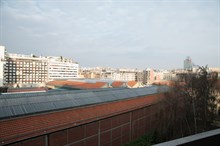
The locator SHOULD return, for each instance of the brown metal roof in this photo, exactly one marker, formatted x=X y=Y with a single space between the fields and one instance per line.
x=77 y=84
x=132 y=83
x=116 y=84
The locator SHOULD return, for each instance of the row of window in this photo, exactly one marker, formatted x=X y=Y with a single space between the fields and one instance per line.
x=13 y=78
x=26 y=62
x=11 y=82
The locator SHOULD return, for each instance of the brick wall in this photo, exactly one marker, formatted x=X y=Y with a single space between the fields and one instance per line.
x=112 y=131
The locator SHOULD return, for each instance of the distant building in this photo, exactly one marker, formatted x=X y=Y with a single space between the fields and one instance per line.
x=109 y=73
x=188 y=65
x=19 y=69
x=2 y=58
x=148 y=76
x=158 y=75
x=139 y=76
x=62 y=68
x=124 y=75
x=215 y=69
x=24 y=69
x=90 y=73
x=169 y=76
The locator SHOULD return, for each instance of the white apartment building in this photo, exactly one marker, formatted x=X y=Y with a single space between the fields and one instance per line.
x=2 y=58
x=18 y=69
x=124 y=75
x=62 y=68
x=24 y=69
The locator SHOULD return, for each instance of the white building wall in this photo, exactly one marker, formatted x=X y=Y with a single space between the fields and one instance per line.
x=116 y=76
x=2 y=58
x=62 y=70
x=28 y=69
x=22 y=69
x=123 y=76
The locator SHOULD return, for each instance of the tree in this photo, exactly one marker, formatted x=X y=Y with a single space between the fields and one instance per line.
x=201 y=98
x=172 y=115
x=190 y=106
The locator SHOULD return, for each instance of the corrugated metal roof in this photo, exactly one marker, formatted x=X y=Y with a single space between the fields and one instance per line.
x=16 y=129
x=12 y=105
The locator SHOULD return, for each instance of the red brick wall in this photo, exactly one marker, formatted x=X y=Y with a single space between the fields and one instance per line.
x=117 y=130
x=37 y=141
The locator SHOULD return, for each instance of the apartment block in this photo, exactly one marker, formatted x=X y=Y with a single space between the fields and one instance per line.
x=148 y=76
x=2 y=58
x=61 y=68
x=139 y=76
x=123 y=76
x=18 y=69
x=24 y=69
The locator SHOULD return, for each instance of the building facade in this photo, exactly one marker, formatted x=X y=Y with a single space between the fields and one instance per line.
x=62 y=68
x=2 y=58
x=169 y=76
x=23 y=69
x=148 y=76
x=139 y=76
x=19 y=69
x=123 y=76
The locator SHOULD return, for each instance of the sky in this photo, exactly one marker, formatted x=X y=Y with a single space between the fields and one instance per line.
x=157 y=34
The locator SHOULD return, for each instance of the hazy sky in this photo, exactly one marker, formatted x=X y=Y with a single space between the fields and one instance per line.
x=115 y=33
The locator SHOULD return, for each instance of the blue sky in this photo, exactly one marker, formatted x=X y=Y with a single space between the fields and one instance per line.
x=115 y=33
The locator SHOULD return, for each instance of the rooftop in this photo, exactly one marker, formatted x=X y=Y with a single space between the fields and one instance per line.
x=77 y=84
x=116 y=84
x=64 y=109
x=13 y=105
x=132 y=83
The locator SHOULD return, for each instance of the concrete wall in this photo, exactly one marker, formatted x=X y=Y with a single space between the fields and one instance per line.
x=112 y=131
x=211 y=138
